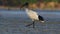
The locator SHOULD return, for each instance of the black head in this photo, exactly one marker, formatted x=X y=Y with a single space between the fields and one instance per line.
x=26 y=4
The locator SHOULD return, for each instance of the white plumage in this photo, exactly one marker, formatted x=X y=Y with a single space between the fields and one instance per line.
x=33 y=15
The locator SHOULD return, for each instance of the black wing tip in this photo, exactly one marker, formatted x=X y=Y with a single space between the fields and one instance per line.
x=40 y=18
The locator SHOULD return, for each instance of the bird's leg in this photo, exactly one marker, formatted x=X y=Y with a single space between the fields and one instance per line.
x=33 y=24
x=28 y=25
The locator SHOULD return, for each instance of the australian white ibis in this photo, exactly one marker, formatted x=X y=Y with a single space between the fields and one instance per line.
x=32 y=14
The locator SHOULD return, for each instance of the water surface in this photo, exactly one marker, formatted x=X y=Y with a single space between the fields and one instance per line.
x=14 y=22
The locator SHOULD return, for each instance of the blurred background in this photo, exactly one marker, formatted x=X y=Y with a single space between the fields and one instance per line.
x=13 y=20
x=41 y=4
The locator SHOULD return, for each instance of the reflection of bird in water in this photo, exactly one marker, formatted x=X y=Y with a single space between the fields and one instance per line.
x=32 y=14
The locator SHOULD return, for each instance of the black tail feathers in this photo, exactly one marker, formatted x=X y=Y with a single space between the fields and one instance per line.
x=40 y=18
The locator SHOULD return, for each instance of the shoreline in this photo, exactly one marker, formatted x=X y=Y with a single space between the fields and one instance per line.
x=16 y=8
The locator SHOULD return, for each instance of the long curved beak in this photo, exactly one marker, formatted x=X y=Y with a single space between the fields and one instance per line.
x=22 y=6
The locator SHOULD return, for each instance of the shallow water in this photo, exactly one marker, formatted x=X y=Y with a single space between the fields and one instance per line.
x=14 y=22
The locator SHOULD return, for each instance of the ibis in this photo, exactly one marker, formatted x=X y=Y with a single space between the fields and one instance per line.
x=33 y=15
